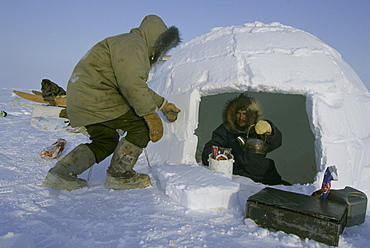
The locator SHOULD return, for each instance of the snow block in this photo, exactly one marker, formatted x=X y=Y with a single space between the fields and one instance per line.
x=12 y=240
x=46 y=111
x=310 y=217
x=197 y=187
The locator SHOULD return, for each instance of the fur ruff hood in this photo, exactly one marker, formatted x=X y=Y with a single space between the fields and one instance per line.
x=242 y=102
x=159 y=39
x=165 y=41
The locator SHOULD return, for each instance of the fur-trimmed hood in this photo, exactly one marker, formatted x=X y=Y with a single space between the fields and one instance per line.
x=157 y=36
x=242 y=102
x=166 y=41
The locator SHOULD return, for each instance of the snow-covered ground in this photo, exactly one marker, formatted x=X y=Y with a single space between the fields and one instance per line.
x=33 y=216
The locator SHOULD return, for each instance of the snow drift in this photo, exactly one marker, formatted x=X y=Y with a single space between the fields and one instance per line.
x=278 y=60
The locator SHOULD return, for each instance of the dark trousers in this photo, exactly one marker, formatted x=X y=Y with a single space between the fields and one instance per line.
x=105 y=137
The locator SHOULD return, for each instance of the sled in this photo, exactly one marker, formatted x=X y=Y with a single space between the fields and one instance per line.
x=60 y=101
x=37 y=92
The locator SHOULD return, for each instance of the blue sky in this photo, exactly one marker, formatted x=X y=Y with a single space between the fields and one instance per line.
x=46 y=38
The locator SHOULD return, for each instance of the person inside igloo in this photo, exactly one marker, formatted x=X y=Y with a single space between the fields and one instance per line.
x=250 y=139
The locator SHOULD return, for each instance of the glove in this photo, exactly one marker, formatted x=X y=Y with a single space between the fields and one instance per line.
x=263 y=127
x=155 y=125
x=170 y=111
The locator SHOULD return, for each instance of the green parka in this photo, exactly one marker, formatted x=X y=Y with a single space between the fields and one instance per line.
x=112 y=77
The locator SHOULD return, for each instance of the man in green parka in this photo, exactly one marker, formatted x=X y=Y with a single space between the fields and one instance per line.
x=108 y=91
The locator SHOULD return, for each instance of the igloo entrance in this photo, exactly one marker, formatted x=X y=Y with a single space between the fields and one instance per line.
x=295 y=159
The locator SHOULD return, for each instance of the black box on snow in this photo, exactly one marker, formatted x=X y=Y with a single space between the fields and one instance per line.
x=306 y=216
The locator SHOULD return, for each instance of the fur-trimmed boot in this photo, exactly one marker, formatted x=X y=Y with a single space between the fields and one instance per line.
x=120 y=173
x=64 y=174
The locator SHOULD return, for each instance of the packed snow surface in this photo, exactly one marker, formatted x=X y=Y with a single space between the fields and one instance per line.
x=34 y=216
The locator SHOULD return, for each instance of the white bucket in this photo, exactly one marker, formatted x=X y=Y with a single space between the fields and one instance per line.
x=224 y=166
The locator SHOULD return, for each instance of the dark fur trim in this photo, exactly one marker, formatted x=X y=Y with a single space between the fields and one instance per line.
x=242 y=102
x=165 y=41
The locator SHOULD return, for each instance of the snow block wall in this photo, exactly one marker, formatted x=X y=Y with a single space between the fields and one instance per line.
x=271 y=58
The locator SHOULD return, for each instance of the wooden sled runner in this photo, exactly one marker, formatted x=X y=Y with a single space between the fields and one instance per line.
x=60 y=101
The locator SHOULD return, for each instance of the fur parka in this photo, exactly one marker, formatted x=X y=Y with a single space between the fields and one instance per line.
x=112 y=76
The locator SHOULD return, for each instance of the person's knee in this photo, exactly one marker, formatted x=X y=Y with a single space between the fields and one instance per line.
x=104 y=140
x=102 y=150
x=104 y=144
x=139 y=141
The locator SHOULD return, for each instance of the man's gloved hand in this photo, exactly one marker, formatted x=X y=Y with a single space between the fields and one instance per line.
x=263 y=127
x=155 y=125
x=170 y=111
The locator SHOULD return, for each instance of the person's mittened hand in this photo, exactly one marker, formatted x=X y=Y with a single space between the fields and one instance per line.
x=155 y=125
x=170 y=111
x=263 y=127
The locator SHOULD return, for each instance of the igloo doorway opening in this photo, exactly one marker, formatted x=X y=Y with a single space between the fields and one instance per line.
x=295 y=159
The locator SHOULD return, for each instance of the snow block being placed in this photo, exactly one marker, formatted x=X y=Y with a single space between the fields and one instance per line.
x=197 y=187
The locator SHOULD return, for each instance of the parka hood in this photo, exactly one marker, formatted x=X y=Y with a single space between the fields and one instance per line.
x=167 y=40
x=242 y=102
x=158 y=37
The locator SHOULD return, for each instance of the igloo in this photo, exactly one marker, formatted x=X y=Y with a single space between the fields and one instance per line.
x=304 y=86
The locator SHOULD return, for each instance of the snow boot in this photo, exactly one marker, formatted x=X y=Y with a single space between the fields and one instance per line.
x=64 y=174
x=135 y=180
x=120 y=173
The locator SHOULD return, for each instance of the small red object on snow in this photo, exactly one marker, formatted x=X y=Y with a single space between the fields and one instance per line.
x=54 y=150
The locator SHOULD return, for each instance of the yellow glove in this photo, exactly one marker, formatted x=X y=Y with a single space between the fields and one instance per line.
x=155 y=125
x=170 y=111
x=263 y=127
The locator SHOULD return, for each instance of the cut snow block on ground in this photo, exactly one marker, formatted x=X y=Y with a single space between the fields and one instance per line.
x=197 y=187
x=12 y=240
x=46 y=111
